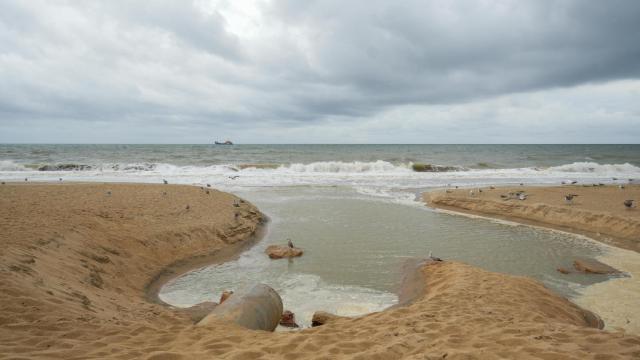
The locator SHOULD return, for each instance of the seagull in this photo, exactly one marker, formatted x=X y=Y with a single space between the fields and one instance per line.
x=233 y=177
x=479 y=190
x=621 y=186
x=471 y=193
x=25 y=179
x=569 y=198
x=290 y=243
x=165 y=181
x=629 y=204
x=431 y=257
x=235 y=203
x=60 y=179
x=574 y=182
x=521 y=184
x=522 y=196
x=615 y=178
x=208 y=185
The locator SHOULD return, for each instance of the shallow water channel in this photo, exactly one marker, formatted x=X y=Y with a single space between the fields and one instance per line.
x=355 y=246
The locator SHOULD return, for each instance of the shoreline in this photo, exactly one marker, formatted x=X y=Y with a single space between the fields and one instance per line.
x=81 y=260
x=612 y=229
x=186 y=265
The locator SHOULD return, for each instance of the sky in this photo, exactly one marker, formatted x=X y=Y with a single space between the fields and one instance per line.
x=361 y=71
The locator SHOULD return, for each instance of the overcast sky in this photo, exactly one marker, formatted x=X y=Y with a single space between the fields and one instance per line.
x=320 y=71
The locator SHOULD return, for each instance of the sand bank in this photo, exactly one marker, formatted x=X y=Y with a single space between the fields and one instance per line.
x=76 y=263
x=597 y=212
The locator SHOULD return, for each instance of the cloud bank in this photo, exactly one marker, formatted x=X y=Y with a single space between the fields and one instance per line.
x=320 y=71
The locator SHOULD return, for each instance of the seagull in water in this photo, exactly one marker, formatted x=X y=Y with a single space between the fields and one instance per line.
x=233 y=177
x=629 y=204
x=569 y=198
x=290 y=243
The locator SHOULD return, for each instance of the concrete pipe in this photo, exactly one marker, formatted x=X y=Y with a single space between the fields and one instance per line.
x=260 y=308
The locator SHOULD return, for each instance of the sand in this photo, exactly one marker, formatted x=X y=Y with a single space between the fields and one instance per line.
x=79 y=267
x=597 y=212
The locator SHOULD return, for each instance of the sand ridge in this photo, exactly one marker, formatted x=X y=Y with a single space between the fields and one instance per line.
x=76 y=264
x=597 y=212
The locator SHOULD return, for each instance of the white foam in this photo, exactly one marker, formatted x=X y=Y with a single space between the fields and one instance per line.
x=10 y=165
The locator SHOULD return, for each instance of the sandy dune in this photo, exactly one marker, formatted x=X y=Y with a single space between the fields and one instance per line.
x=76 y=265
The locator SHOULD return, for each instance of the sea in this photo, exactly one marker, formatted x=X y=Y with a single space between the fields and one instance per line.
x=356 y=211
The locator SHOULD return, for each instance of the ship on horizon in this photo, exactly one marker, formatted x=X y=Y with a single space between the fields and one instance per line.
x=226 y=142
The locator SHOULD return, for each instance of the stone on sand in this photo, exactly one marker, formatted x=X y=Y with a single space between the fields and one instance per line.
x=288 y=319
x=322 y=317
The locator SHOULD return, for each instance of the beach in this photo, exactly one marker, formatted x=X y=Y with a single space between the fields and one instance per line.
x=596 y=211
x=82 y=262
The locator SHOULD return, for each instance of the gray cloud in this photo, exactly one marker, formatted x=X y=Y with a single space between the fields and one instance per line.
x=217 y=66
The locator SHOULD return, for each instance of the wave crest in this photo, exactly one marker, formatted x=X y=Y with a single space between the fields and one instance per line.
x=595 y=168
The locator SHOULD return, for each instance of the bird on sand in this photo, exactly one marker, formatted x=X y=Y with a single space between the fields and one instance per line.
x=629 y=204
x=621 y=186
x=290 y=243
x=522 y=196
x=471 y=193
x=165 y=181
x=431 y=257
x=60 y=179
x=235 y=203
x=208 y=185
x=569 y=198
x=109 y=193
x=3 y=183
x=26 y=179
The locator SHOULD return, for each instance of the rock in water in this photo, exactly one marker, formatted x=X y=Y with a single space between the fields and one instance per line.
x=592 y=266
x=288 y=319
x=279 y=252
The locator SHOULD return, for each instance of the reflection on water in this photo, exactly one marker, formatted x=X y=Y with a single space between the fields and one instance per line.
x=355 y=246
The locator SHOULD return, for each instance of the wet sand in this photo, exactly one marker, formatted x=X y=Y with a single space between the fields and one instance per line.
x=78 y=264
x=597 y=212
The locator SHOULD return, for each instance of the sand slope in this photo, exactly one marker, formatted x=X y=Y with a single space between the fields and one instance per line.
x=76 y=265
x=597 y=211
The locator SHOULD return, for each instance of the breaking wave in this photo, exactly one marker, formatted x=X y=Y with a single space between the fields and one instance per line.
x=595 y=168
